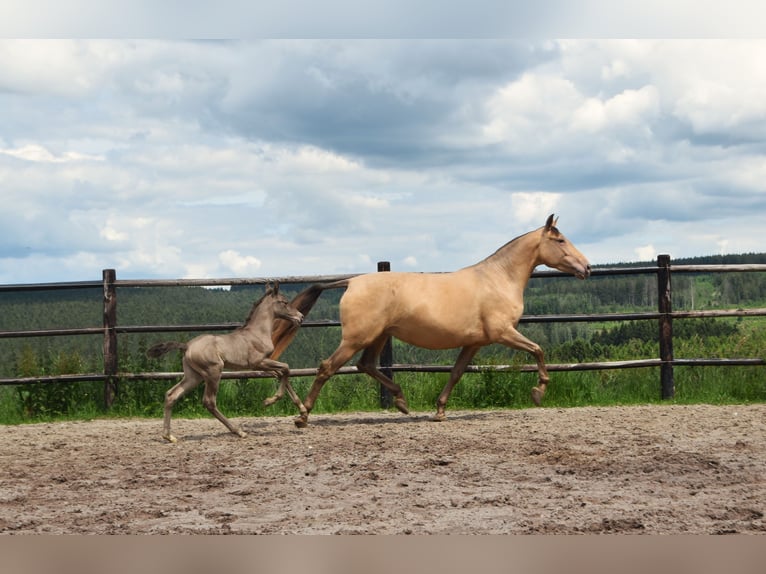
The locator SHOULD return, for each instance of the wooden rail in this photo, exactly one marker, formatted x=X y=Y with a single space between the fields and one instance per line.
x=664 y=317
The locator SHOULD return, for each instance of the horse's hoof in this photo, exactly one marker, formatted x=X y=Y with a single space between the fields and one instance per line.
x=170 y=438
x=301 y=422
x=268 y=402
x=439 y=417
x=537 y=395
x=241 y=434
x=401 y=404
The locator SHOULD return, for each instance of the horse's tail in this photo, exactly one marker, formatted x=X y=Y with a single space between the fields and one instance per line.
x=284 y=331
x=161 y=348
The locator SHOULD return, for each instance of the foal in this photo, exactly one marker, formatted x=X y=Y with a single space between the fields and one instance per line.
x=248 y=347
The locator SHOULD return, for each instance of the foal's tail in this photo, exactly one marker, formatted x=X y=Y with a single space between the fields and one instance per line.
x=161 y=348
x=284 y=331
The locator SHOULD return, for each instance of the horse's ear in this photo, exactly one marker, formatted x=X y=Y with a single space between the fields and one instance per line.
x=550 y=222
x=275 y=287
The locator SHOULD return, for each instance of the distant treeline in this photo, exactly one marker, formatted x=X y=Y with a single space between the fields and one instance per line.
x=196 y=305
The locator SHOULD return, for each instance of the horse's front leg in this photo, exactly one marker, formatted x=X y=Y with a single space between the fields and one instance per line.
x=512 y=338
x=282 y=371
x=368 y=364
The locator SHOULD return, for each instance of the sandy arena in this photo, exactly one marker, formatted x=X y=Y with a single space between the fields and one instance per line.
x=633 y=470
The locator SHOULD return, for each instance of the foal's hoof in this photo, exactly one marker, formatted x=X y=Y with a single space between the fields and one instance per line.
x=537 y=395
x=301 y=422
x=241 y=434
x=270 y=401
x=439 y=417
x=401 y=404
x=170 y=438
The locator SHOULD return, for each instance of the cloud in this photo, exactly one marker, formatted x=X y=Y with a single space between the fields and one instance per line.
x=241 y=265
x=533 y=208
x=646 y=253
x=630 y=108
x=37 y=153
x=521 y=115
x=176 y=158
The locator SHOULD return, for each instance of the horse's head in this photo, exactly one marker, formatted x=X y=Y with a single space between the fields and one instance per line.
x=557 y=251
x=282 y=307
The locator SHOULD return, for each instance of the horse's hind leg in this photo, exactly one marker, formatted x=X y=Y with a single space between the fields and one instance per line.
x=368 y=364
x=189 y=381
x=212 y=383
x=465 y=357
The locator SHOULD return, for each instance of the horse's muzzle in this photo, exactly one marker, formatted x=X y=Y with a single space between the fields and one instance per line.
x=582 y=272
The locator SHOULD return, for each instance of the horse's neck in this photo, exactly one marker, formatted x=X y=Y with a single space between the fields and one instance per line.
x=260 y=320
x=516 y=259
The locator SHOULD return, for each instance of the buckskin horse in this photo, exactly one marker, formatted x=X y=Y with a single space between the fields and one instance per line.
x=469 y=308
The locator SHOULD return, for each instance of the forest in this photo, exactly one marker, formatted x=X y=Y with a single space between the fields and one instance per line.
x=181 y=306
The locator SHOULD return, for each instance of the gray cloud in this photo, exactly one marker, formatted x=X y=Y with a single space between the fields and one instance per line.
x=294 y=157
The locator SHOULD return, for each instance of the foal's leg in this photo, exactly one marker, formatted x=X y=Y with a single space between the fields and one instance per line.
x=368 y=364
x=327 y=369
x=282 y=371
x=190 y=380
x=512 y=338
x=463 y=359
x=212 y=383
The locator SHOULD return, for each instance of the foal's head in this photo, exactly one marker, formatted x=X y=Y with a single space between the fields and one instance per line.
x=557 y=251
x=281 y=306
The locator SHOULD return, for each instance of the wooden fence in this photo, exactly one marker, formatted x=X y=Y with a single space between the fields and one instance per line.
x=664 y=317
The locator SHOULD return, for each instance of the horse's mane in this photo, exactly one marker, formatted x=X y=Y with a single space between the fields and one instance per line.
x=255 y=306
x=502 y=248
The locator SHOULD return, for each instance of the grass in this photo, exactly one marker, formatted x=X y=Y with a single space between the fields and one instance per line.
x=348 y=393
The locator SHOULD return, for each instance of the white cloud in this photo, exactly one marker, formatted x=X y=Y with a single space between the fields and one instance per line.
x=38 y=153
x=646 y=253
x=532 y=208
x=111 y=234
x=526 y=114
x=58 y=67
x=630 y=108
x=238 y=263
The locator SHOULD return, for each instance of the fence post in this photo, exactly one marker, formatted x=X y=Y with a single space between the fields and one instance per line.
x=386 y=356
x=110 y=336
x=667 y=383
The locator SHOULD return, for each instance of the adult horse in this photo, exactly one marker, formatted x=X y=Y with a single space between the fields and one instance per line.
x=248 y=347
x=469 y=308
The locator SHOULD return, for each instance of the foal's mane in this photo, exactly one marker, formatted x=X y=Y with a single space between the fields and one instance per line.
x=268 y=293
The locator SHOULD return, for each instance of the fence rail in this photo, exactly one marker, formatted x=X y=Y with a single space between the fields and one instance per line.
x=664 y=317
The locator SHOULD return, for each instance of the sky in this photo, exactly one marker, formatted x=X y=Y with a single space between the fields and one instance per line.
x=271 y=157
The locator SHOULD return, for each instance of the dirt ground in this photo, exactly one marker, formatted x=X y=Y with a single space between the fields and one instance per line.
x=643 y=470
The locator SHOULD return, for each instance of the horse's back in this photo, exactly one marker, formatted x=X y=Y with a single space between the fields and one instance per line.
x=430 y=310
x=409 y=290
